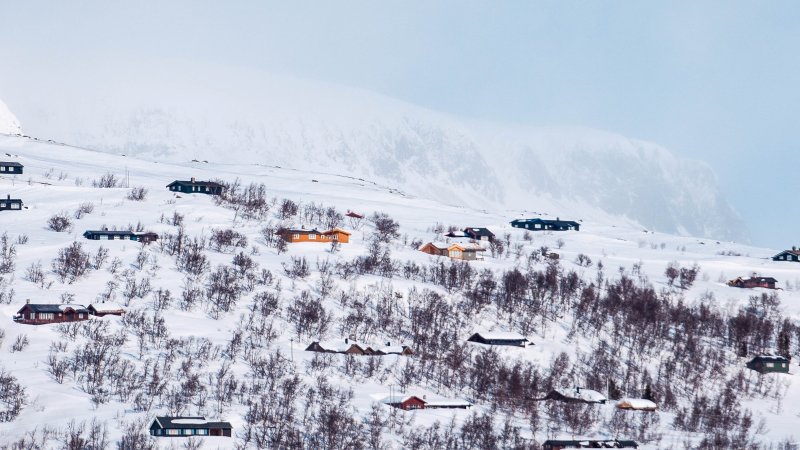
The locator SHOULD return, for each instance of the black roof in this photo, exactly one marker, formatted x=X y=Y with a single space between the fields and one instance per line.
x=774 y=358
x=547 y=221
x=10 y=164
x=479 y=231
x=195 y=183
x=167 y=422
x=111 y=232
x=52 y=308
x=592 y=443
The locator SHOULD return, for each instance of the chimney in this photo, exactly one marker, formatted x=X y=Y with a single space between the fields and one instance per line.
x=27 y=301
x=192 y=179
x=9 y=196
x=388 y=344
x=346 y=341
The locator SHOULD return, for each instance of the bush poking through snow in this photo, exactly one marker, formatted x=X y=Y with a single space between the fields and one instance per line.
x=12 y=397
x=137 y=194
x=71 y=263
x=59 y=222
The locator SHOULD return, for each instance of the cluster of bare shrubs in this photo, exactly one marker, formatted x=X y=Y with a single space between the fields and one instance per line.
x=59 y=222
x=137 y=194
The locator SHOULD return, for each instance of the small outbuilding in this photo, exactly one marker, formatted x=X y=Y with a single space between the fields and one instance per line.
x=499 y=338
x=10 y=167
x=169 y=426
x=105 y=309
x=196 y=187
x=546 y=224
x=10 y=204
x=45 y=313
x=768 y=364
x=753 y=282
x=637 y=404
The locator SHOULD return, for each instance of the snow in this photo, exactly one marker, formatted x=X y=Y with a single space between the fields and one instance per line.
x=9 y=124
x=582 y=394
x=616 y=241
x=637 y=403
x=189 y=421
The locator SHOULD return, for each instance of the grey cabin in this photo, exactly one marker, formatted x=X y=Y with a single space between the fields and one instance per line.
x=13 y=168
x=546 y=224
x=196 y=187
x=169 y=426
x=499 y=338
x=10 y=204
x=479 y=234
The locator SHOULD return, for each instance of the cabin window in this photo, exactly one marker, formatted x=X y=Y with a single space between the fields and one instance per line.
x=2 y=168
x=455 y=254
x=173 y=432
x=187 y=431
x=296 y=236
x=15 y=206
x=3 y=205
x=783 y=364
x=202 y=431
x=335 y=237
x=769 y=364
x=312 y=237
x=46 y=316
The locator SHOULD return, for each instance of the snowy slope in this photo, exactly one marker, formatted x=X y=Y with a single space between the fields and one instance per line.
x=58 y=178
x=9 y=124
x=242 y=117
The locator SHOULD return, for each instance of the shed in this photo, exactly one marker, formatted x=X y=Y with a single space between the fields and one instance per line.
x=10 y=167
x=768 y=364
x=196 y=187
x=10 y=204
x=45 y=313
x=105 y=309
x=637 y=404
x=546 y=224
x=171 y=426
x=499 y=338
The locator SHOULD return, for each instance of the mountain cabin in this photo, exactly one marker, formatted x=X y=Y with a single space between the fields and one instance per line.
x=404 y=402
x=293 y=235
x=196 y=187
x=768 y=364
x=479 y=234
x=123 y=235
x=558 y=444
x=788 y=255
x=753 y=282
x=13 y=168
x=576 y=395
x=42 y=314
x=188 y=426
x=499 y=338
x=10 y=204
x=546 y=224
x=464 y=252
x=105 y=309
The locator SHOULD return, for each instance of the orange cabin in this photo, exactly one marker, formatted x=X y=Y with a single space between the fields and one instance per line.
x=301 y=235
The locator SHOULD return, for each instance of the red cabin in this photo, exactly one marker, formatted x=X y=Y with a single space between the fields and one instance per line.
x=41 y=314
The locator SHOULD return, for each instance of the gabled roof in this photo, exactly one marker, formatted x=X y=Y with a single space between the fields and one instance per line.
x=192 y=422
x=111 y=232
x=194 y=183
x=337 y=230
x=546 y=221
x=399 y=398
x=583 y=394
x=106 y=307
x=478 y=231
x=500 y=336
x=466 y=247
x=769 y=358
x=53 y=308
x=792 y=252
x=10 y=164
x=637 y=403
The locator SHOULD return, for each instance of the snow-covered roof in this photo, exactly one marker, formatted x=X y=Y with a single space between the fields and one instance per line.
x=392 y=349
x=501 y=335
x=447 y=402
x=107 y=307
x=587 y=395
x=66 y=306
x=636 y=403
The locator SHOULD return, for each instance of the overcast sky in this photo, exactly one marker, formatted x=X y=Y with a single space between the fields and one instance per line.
x=716 y=81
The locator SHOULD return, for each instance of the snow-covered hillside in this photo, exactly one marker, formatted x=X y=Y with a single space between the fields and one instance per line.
x=240 y=117
x=227 y=340
x=9 y=124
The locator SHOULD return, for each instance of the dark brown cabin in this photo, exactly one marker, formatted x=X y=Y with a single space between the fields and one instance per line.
x=42 y=314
